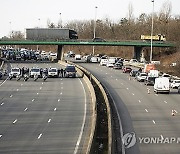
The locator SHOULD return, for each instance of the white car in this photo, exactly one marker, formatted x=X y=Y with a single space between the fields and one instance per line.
x=52 y=72
x=141 y=77
x=35 y=71
x=103 y=62
x=109 y=64
x=15 y=72
x=175 y=84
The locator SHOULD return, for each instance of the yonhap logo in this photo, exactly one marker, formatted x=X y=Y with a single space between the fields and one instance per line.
x=129 y=140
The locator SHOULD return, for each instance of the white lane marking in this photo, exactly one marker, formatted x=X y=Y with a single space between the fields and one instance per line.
x=156 y=94
x=49 y=120
x=40 y=88
x=11 y=95
x=146 y=110
x=25 y=109
x=106 y=73
x=111 y=76
x=3 y=82
x=58 y=100
x=61 y=93
x=0 y=135
x=116 y=79
x=2 y=103
x=61 y=82
x=32 y=100
x=127 y=88
x=21 y=84
x=153 y=121
x=122 y=83
x=61 y=87
x=133 y=94
x=83 y=123
x=55 y=109
x=14 y=121
x=139 y=101
x=42 y=83
x=61 y=79
x=37 y=93
x=165 y=102
x=17 y=89
x=39 y=136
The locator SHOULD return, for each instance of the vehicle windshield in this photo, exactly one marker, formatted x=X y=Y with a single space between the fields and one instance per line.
x=53 y=70
x=70 y=69
x=35 y=70
x=15 y=70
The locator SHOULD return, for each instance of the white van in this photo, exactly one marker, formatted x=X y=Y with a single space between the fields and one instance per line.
x=103 y=62
x=162 y=85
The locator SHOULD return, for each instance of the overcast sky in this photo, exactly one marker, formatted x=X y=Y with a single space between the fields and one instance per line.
x=20 y=14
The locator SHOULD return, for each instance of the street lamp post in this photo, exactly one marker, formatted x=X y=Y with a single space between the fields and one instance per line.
x=60 y=22
x=152 y=25
x=94 y=35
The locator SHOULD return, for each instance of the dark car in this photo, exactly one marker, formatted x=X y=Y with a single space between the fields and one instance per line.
x=133 y=73
x=1 y=74
x=117 y=66
x=149 y=80
x=127 y=69
x=70 y=71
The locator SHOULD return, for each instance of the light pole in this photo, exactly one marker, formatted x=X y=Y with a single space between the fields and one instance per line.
x=39 y=21
x=152 y=31
x=94 y=35
x=60 y=21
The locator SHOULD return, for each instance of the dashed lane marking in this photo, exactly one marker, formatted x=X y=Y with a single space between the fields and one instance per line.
x=32 y=100
x=153 y=121
x=25 y=109
x=55 y=109
x=139 y=101
x=49 y=120
x=2 y=104
x=165 y=102
x=39 y=136
x=146 y=110
x=14 y=121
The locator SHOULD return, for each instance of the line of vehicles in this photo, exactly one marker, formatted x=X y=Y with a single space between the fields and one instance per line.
x=25 y=55
x=149 y=75
x=44 y=73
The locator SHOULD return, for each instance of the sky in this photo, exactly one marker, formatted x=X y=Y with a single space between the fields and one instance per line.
x=16 y=15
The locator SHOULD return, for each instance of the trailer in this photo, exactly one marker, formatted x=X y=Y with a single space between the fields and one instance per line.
x=50 y=34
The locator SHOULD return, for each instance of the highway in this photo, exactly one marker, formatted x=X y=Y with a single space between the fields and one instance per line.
x=148 y=115
x=44 y=117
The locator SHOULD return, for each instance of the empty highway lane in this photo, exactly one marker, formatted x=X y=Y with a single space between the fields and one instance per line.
x=44 y=117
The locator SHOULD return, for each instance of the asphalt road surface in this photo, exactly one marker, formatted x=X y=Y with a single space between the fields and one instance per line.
x=44 y=117
x=148 y=115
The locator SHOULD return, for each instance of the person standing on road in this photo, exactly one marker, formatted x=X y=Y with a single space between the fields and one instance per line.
x=62 y=72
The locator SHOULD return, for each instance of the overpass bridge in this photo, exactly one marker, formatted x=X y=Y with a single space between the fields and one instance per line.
x=138 y=45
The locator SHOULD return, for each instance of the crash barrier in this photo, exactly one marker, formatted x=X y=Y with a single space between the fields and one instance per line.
x=93 y=78
x=94 y=109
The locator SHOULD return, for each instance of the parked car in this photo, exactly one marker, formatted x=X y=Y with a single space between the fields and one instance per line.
x=53 y=72
x=1 y=74
x=15 y=72
x=35 y=71
x=109 y=64
x=70 y=71
x=149 y=80
x=103 y=62
x=141 y=77
x=175 y=83
x=127 y=69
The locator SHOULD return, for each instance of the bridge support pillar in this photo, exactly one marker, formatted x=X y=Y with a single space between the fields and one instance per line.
x=137 y=52
x=60 y=52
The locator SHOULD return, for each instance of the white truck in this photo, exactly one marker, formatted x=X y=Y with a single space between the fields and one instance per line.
x=162 y=85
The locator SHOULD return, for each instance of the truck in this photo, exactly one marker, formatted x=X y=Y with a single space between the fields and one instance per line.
x=50 y=34
x=162 y=85
x=158 y=37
